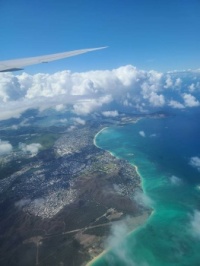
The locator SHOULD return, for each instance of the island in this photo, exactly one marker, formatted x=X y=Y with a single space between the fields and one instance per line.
x=58 y=207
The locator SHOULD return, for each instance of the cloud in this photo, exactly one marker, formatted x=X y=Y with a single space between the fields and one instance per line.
x=195 y=224
x=63 y=120
x=110 y=113
x=5 y=147
x=175 y=104
x=79 y=121
x=192 y=87
x=128 y=88
x=120 y=247
x=178 y=82
x=22 y=203
x=190 y=100
x=60 y=107
x=142 y=134
x=143 y=200
x=118 y=231
x=71 y=128
x=10 y=88
x=156 y=99
x=32 y=148
x=169 y=82
x=116 y=241
x=195 y=162
x=175 y=180
x=88 y=106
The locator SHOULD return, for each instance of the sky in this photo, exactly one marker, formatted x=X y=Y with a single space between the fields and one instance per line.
x=149 y=34
x=145 y=39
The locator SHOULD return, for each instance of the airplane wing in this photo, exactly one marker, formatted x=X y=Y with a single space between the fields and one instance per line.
x=18 y=64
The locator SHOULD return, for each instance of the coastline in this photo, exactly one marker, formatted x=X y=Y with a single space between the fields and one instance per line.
x=138 y=222
x=94 y=139
x=95 y=259
x=90 y=263
x=155 y=242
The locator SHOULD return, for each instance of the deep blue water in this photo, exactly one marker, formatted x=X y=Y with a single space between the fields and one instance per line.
x=162 y=150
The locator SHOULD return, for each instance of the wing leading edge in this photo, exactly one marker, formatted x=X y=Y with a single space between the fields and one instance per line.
x=18 y=64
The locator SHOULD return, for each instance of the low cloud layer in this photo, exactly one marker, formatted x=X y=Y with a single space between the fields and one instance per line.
x=32 y=148
x=121 y=250
x=142 y=134
x=5 y=148
x=195 y=162
x=195 y=224
x=110 y=113
x=175 y=180
x=143 y=200
x=125 y=88
x=79 y=121
x=119 y=247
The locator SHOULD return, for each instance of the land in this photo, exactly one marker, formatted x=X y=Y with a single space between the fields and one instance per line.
x=57 y=208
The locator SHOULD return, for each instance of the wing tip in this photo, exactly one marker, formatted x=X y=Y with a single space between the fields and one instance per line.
x=97 y=48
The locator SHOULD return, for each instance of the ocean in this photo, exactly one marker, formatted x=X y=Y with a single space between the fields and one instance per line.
x=166 y=152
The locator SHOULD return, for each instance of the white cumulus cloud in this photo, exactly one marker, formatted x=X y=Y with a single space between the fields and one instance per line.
x=32 y=148
x=110 y=113
x=142 y=133
x=190 y=100
x=79 y=121
x=195 y=162
x=5 y=147
x=178 y=82
x=88 y=106
x=176 y=105
x=169 y=82
x=60 y=107
x=126 y=87
x=156 y=99
x=175 y=180
x=192 y=87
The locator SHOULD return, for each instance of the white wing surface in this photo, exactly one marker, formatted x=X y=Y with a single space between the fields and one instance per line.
x=19 y=64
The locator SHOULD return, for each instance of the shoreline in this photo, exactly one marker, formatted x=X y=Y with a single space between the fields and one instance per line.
x=94 y=139
x=90 y=263
x=136 y=227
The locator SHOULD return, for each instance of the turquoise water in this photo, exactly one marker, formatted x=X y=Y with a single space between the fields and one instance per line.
x=162 y=150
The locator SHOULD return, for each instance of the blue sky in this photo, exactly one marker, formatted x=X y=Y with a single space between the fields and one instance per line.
x=149 y=34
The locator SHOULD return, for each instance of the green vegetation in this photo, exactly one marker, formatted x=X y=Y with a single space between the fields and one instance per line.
x=47 y=140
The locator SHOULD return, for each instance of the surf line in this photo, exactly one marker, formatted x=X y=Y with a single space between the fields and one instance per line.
x=96 y=258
